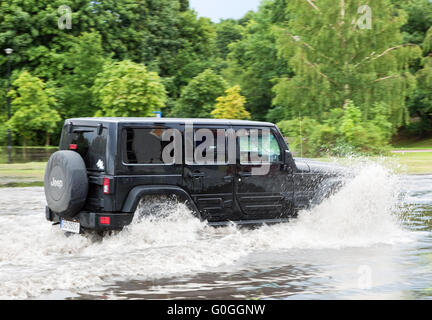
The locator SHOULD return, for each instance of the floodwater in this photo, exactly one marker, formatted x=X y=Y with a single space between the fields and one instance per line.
x=372 y=240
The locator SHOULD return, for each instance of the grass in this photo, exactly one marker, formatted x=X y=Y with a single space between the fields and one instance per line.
x=33 y=169
x=22 y=174
x=402 y=163
x=414 y=162
x=408 y=162
x=409 y=144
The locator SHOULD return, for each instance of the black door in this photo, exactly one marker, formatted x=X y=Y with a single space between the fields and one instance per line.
x=208 y=175
x=262 y=191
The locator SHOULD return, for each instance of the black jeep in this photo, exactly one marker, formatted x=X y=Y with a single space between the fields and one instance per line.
x=224 y=170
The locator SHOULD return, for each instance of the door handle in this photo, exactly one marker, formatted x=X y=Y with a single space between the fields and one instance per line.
x=245 y=174
x=198 y=175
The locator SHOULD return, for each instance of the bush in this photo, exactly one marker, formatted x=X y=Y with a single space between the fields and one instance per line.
x=344 y=132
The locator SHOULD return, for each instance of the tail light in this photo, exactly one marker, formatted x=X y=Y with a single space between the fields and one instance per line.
x=107 y=185
x=105 y=220
x=73 y=147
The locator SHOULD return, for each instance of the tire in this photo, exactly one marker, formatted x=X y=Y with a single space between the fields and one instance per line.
x=66 y=183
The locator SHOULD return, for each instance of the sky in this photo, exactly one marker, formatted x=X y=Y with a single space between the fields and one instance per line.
x=223 y=9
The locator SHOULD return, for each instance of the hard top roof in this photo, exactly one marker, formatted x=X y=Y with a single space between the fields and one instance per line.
x=173 y=120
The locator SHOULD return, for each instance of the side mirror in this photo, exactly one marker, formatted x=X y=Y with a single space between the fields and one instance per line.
x=289 y=160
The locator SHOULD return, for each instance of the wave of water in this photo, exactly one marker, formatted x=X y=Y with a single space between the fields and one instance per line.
x=36 y=258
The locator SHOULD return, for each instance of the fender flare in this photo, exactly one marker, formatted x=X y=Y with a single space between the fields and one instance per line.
x=131 y=203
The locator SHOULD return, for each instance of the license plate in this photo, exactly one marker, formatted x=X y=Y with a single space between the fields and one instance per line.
x=70 y=226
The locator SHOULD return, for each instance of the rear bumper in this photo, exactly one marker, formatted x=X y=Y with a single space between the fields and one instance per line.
x=93 y=221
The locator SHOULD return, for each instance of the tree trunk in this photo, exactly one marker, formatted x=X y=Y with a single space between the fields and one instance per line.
x=47 y=139
x=24 y=148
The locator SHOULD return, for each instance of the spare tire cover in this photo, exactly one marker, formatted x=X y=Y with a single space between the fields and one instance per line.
x=66 y=183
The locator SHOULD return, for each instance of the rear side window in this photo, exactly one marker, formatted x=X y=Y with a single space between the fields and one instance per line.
x=143 y=145
x=214 y=151
x=89 y=144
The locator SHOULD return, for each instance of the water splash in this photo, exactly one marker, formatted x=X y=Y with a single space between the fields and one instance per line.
x=36 y=258
x=362 y=213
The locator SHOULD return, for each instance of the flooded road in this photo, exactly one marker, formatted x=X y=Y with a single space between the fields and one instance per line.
x=372 y=240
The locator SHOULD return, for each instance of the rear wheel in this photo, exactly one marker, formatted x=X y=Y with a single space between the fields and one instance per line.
x=156 y=207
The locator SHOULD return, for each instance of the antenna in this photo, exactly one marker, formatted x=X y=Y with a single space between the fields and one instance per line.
x=301 y=137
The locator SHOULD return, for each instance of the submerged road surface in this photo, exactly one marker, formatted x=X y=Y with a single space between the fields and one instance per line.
x=372 y=240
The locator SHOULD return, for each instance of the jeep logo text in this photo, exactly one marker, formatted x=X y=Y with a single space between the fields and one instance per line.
x=56 y=183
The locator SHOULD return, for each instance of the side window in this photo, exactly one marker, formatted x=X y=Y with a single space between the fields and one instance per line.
x=274 y=152
x=255 y=144
x=143 y=146
x=210 y=146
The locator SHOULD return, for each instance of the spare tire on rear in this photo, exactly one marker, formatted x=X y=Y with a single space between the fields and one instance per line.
x=66 y=183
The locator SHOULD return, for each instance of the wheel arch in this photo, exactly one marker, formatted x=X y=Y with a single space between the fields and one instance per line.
x=138 y=192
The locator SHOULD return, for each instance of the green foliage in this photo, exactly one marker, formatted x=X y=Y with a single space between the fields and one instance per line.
x=344 y=132
x=419 y=19
x=198 y=98
x=335 y=61
x=253 y=61
x=84 y=60
x=30 y=27
x=33 y=110
x=420 y=102
x=142 y=31
x=196 y=54
x=352 y=87
x=228 y=31
x=231 y=106
x=165 y=35
x=125 y=89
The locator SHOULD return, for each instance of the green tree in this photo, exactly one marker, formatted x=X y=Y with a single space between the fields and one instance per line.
x=142 y=31
x=198 y=98
x=340 y=55
x=421 y=105
x=253 y=61
x=231 y=106
x=33 y=108
x=197 y=52
x=419 y=19
x=84 y=60
x=184 y=5
x=125 y=89
x=228 y=31
x=165 y=35
x=415 y=30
